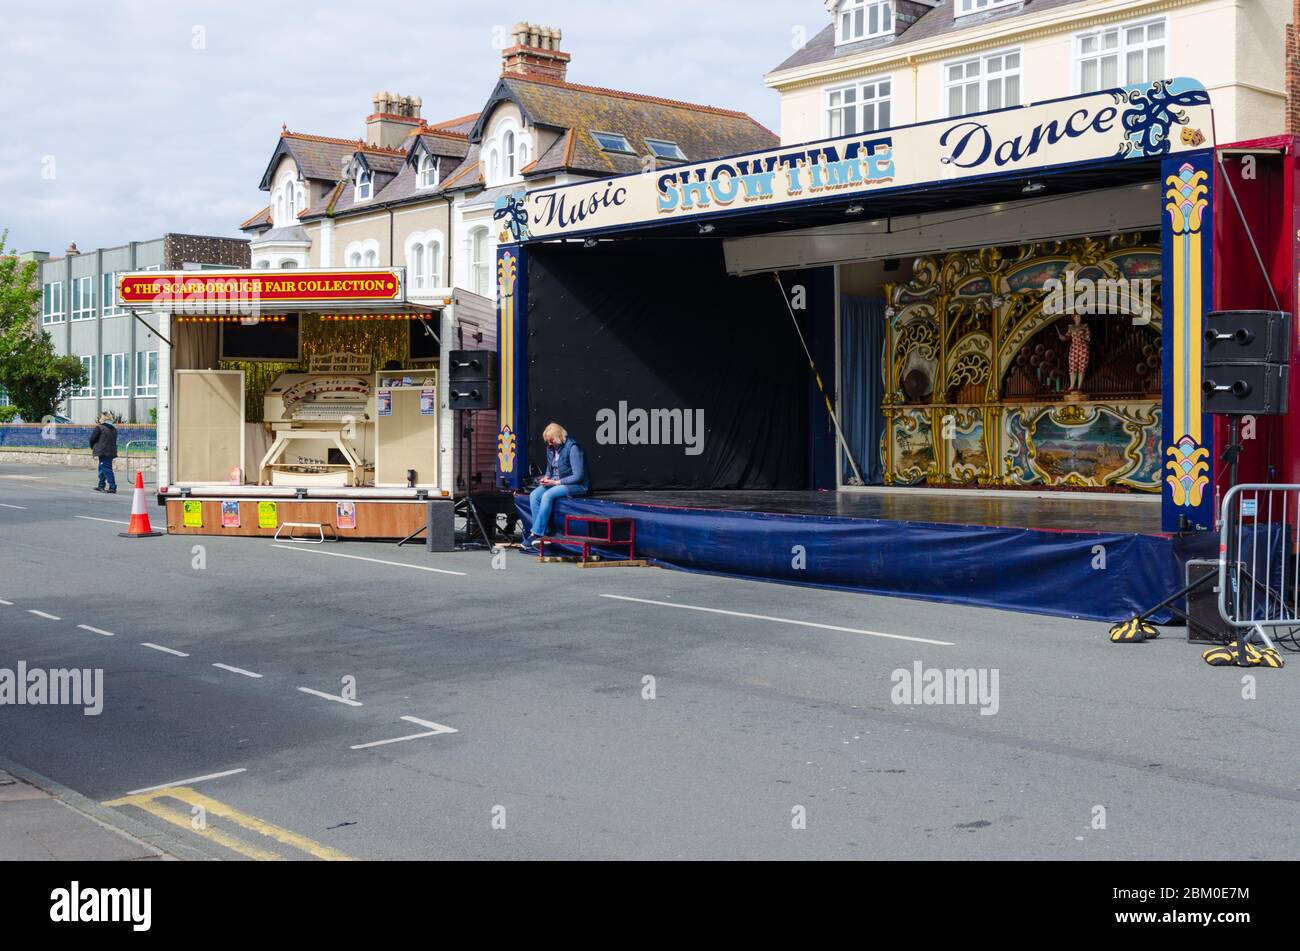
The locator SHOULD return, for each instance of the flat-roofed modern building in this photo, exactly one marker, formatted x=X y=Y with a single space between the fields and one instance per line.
x=120 y=353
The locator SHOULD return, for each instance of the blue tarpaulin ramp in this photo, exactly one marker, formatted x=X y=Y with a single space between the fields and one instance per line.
x=1101 y=576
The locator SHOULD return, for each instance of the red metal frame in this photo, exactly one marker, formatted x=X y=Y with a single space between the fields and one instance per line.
x=586 y=541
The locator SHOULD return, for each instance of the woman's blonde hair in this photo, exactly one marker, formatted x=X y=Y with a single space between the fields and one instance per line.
x=555 y=431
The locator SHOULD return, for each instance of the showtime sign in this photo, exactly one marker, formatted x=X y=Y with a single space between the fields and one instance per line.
x=240 y=289
x=1136 y=122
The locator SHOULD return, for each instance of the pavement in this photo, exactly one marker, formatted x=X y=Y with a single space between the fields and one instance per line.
x=357 y=700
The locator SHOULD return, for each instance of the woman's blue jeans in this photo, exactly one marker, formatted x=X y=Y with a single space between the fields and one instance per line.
x=543 y=498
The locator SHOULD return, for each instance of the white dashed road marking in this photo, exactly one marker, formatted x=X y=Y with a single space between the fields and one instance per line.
x=165 y=650
x=781 y=620
x=95 y=630
x=187 y=782
x=434 y=730
x=48 y=617
x=237 y=670
x=110 y=521
x=330 y=696
x=377 y=561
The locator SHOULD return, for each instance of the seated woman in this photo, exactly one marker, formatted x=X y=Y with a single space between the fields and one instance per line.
x=566 y=477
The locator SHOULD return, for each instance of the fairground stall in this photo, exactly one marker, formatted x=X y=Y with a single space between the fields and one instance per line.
x=957 y=360
x=309 y=399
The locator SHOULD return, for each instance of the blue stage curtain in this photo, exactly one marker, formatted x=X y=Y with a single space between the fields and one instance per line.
x=862 y=339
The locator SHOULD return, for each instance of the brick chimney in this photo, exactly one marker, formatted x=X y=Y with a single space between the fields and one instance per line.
x=393 y=117
x=536 y=52
x=1293 y=71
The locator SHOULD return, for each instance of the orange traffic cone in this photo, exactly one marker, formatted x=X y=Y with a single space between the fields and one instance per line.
x=140 y=527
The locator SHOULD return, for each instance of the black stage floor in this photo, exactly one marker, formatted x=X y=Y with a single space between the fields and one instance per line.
x=1086 y=512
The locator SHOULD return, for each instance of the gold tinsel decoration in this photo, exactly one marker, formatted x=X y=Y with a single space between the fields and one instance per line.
x=382 y=340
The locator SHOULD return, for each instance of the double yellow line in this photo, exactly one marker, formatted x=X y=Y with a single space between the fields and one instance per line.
x=148 y=802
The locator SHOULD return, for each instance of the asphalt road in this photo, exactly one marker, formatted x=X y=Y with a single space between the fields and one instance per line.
x=756 y=721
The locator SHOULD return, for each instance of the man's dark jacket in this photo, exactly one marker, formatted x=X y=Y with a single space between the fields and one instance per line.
x=103 y=441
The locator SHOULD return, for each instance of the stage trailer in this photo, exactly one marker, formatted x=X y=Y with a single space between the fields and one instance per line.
x=712 y=287
x=308 y=396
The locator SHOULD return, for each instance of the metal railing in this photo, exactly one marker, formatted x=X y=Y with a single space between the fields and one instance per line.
x=130 y=468
x=1259 y=566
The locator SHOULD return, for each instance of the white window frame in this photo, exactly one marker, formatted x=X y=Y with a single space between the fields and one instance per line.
x=666 y=144
x=108 y=288
x=114 y=382
x=613 y=135
x=480 y=267
x=858 y=88
x=961 y=8
x=428 y=245
x=80 y=309
x=508 y=141
x=146 y=373
x=856 y=16
x=423 y=166
x=983 y=80
x=52 y=295
x=433 y=252
x=1121 y=52
x=86 y=392
x=362 y=253
x=364 y=186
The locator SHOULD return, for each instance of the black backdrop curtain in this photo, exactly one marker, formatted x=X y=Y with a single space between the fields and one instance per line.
x=659 y=325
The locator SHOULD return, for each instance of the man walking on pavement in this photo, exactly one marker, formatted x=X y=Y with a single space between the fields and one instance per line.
x=103 y=446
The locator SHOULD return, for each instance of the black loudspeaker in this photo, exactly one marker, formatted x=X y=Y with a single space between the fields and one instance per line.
x=472 y=365
x=1247 y=336
x=472 y=379
x=1204 y=625
x=474 y=394
x=1246 y=357
x=1237 y=389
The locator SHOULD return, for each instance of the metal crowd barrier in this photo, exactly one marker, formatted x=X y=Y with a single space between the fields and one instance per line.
x=1259 y=567
x=130 y=468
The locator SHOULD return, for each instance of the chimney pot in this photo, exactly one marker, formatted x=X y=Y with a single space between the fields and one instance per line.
x=536 y=52
x=72 y=249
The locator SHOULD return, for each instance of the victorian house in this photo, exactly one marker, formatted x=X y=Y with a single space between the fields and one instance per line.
x=428 y=196
x=882 y=63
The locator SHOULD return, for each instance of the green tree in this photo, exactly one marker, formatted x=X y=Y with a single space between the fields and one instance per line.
x=35 y=377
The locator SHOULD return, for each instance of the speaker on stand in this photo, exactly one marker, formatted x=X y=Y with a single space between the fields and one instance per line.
x=1246 y=358
x=472 y=385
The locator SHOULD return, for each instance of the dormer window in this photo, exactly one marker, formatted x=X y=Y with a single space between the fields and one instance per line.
x=864 y=19
x=662 y=148
x=613 y=142
x=427 y=176
x=364 y=186
x=508 y=147
x=962 y=7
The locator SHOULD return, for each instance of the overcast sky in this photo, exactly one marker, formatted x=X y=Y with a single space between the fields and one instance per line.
x=125 y=119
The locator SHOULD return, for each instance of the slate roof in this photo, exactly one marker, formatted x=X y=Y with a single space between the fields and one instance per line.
x=701 y=132
x=323 y=158
x=260 y=220
x=938 y=21
x=459 y=126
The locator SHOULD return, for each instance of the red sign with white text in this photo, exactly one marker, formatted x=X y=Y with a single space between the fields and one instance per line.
x=278 y=287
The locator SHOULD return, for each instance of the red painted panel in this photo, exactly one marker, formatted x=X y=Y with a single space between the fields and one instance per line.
x=1266 y=191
